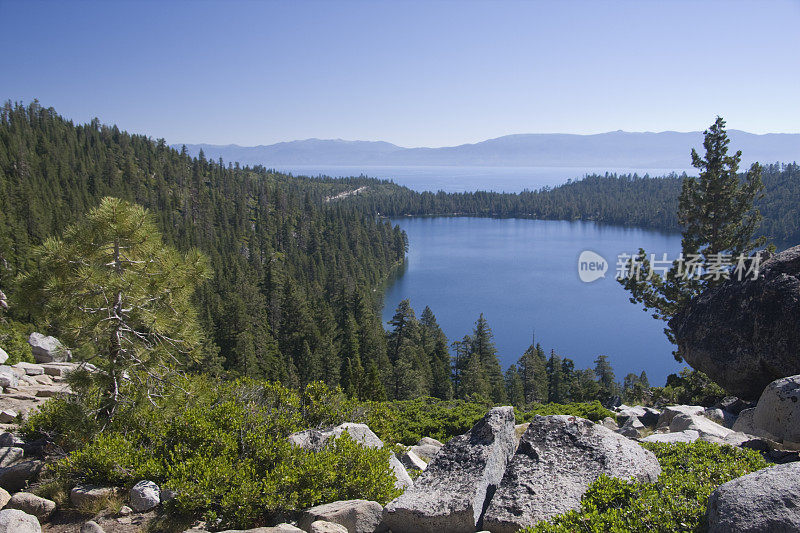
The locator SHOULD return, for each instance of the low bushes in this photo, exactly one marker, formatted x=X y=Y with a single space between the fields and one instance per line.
x=223 y=449
x=675 y=502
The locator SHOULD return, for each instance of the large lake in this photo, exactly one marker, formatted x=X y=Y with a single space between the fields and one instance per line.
x=461 y=179
x=523 y=276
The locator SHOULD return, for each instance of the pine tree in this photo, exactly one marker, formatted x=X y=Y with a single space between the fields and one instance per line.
x=555 y=379
x=483 y=346
x=533 y=372
x=717 y=213
x=112 y=289
x=514 y=388
x=605 y=376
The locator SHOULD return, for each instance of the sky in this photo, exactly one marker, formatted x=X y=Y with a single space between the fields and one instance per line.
x=430 y=73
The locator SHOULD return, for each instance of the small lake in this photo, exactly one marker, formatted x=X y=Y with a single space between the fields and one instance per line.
x=523 y=276
x=466 y=179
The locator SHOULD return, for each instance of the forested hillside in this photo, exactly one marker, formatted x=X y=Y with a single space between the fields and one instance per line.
x=293 y=277
x=294 y=295
x=632 y=200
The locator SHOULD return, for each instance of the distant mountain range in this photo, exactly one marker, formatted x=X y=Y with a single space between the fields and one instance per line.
x=616 y=149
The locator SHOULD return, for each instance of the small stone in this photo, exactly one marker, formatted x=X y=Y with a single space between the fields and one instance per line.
x=412 y=461
x=125 y=511
x=8 y=380
x=3 y=356
x=41 y=508
x=44 y=379
x=4 y=497
x=91 y=527
x=7 y=416
x=47 y=393
x=321 y=526
x=145 y=495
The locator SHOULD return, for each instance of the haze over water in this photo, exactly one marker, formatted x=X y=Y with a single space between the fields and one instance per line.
x=522 y=274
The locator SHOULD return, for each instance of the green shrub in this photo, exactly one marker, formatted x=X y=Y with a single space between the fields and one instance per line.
x=14 y=340
x=675 y=502
x=223 y=448
x=690 y=387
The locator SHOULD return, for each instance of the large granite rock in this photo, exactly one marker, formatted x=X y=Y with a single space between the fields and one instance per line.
x=708 y=430
x=3 y=356
x=558 y=457
x=357 y=516
x=315 y=439
x=778 y=411
x=746 y=334
x=451 y=494
x=766 y=500
x=16 y=521
x=48 y=349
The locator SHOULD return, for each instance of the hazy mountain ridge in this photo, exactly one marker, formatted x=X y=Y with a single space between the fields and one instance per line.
x=614 y=149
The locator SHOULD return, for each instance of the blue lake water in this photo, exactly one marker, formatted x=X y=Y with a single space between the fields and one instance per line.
x=523 y=276
x=461 y=179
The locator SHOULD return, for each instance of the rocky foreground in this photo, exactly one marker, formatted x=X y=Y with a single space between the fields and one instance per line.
x=498 y=477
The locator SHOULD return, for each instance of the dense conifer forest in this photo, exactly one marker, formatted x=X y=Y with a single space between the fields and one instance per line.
x=625 y=199
x=298 y=263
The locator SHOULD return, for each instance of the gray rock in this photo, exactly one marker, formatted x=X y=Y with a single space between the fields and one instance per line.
x=778 y=411
x=745 y=334
x=357 y=516
x=610 y=423
x=427 y=448
x=557 y=459
x=58 y=370
x=41 y=508
x=320 y=526
x=671 y=411
x=145 y=495
x=91 y=527
x=744 y=422
x=9 y=439
x=10 y=455
x=15 y=478
x=632 y=428
x=280 y=528
x=90 y=496
x=48 y=349
x=626 y=413
x=4 y=498
x=733 y=405
x=125 y=511
x=412 y=461
x=30 y=369
x=689 y=435
x=16 y=521
x=761 y=501
x=707 y=429
x=451 y=493
x=8 y=379
x=315 y=439
x=44 y=379
x=3 y=356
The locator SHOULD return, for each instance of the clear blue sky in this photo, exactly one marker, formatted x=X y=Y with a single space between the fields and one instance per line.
x=413 y=73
